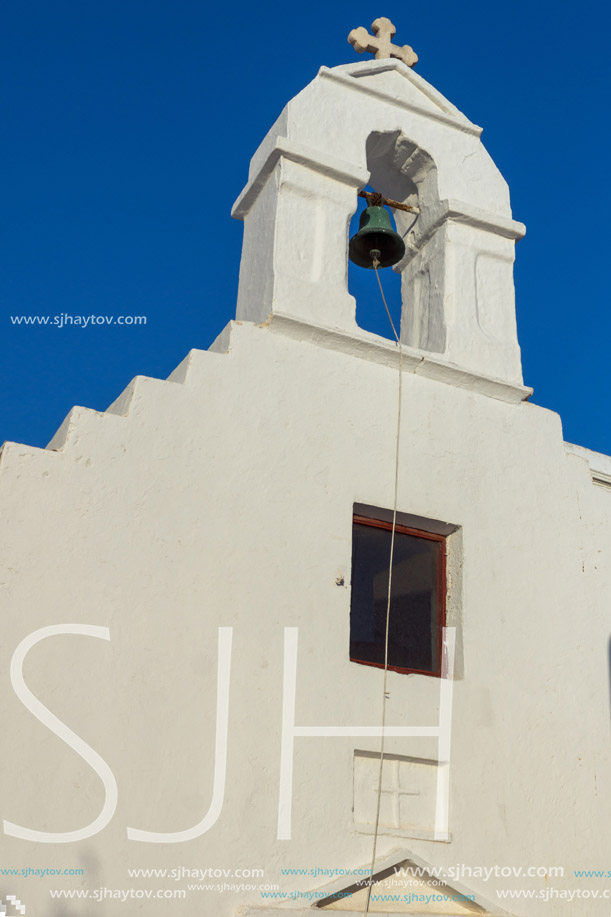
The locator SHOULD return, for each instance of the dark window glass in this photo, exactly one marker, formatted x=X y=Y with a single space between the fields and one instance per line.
x=417 y=598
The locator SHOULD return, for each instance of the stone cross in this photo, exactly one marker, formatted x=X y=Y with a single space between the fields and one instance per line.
x=381 y=45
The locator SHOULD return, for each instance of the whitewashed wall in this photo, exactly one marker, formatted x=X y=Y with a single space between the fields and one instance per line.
x=224 y=498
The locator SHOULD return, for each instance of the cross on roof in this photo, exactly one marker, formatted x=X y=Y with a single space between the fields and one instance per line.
x=381 y=45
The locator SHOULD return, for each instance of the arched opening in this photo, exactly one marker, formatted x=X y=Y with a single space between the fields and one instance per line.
x=363 y=285
x=401 y=170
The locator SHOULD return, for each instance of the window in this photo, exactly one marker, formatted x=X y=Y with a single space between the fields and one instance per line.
x=417 y=608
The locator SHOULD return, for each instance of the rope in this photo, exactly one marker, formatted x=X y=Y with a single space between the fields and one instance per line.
x=376 y=264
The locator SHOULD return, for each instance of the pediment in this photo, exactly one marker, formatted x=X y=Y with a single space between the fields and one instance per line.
x=406 y=884
x=396 y=83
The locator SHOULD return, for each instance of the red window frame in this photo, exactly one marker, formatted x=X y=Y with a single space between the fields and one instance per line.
x=441 y=591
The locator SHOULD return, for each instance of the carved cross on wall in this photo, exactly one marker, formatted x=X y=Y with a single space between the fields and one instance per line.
x=395 y=793
x=381 y=45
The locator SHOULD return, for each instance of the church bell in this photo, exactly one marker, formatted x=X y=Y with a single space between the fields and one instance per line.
x=376 y=238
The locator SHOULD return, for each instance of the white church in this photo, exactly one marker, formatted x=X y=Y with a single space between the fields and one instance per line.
x=201 y=649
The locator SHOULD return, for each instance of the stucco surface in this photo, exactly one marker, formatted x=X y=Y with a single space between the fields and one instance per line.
x=226 y=501
x=223 y=498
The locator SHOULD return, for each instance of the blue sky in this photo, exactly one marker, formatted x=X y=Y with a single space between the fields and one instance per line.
x=127 y=132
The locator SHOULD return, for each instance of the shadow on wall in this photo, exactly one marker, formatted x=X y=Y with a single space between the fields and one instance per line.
x=91 y=879
x=400 y=170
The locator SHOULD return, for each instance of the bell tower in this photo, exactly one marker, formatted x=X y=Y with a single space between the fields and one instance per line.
x=379 y=123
